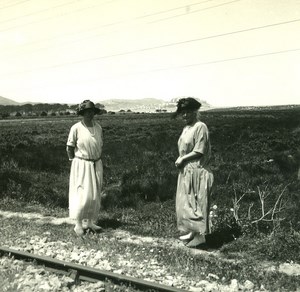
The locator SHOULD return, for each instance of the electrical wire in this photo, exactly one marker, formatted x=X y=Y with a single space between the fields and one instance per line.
x=39 y=11
x=155 y=47
x=122 y=21
x=176 y=67
x=226 y=60
x=113 y=23
x=119 y=22
x=195 y=11
x=57 y=16
x=103 y=26
x=173 y=9
x=12 y=5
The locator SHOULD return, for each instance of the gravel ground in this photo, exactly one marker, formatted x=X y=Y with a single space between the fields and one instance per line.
x=33 y=278
x=38 y=280
x=28 y=277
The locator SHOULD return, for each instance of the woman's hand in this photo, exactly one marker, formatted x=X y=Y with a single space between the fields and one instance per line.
x=179 y=162
x=70 y=152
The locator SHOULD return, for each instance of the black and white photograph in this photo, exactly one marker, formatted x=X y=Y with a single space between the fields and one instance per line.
x=149 y=145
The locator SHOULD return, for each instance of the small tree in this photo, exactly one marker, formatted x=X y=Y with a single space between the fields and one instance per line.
x=4 y=115
x=103 y=111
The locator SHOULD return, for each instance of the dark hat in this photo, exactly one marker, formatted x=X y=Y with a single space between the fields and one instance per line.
x=87 y=104
x=187 y=103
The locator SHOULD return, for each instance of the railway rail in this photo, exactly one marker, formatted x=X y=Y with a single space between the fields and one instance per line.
x=84 y=273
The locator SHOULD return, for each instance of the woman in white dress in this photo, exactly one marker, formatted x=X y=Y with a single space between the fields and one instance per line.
x=84 y=149
x=195 y=178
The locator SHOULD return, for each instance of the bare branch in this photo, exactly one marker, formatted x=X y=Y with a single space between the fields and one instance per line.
x=249 y=210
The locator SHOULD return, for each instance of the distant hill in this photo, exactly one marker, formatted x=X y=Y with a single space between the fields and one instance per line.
x=7 y=101
x=143 y=101
x=259 y=108
x=144 y=104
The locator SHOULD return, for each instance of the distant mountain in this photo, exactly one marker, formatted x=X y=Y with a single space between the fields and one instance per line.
x=144 y=104
x=143 y=101
x=7 y=101
x=258 y=108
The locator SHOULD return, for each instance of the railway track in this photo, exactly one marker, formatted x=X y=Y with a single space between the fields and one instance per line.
x=84 y=273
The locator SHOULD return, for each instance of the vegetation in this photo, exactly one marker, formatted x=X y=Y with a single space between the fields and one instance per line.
x=256 y=199
x=39 y=109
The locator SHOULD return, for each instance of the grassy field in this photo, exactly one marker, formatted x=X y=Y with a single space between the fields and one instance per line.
x=256 y=199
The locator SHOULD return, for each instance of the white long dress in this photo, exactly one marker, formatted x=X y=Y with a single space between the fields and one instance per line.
x=86 y=175
x=195 y=181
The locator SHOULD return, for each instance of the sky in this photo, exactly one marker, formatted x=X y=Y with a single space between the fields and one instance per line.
x=226 y=52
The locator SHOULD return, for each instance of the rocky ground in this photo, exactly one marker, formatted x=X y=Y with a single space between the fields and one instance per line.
x=28 y=277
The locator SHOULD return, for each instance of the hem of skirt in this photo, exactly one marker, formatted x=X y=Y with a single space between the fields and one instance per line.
x=82 y=217
x=190 y=229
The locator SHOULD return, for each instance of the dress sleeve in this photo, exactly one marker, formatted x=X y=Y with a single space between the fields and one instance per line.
x=72 y=138
x=201 y=138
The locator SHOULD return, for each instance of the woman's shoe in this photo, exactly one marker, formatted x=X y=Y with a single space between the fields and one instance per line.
x=79 y=230
x=188 y=236
x=197 y=240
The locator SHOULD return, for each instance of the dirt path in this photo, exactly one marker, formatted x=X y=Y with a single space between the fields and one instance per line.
x=292 y=269
x=121 y=235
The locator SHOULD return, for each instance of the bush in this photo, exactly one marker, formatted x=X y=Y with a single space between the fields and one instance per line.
x=280 y=246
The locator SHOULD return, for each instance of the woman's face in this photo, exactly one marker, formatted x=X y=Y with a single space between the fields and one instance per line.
x=190 y=117
x=88 y=114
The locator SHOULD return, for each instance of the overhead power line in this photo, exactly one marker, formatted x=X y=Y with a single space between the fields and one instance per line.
x=12 y=5
x=165 y=11
x=57 y=16
x=39 y=11
x=173 y=9
x=109 y=24
x=155 y=47
x=118 y=22
x=70 y=2
x=205 y=63
x=176 y=67
x=195 y=11
x=225 y=60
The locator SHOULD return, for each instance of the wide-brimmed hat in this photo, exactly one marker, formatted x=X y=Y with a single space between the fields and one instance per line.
x=87 y=104
x=187 y=103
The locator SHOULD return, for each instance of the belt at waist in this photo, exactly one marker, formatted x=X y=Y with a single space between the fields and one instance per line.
x=87 y=159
